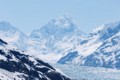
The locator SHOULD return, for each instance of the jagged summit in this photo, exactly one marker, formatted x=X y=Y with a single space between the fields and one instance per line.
x=12 y=35
x=60 y=27
x=6 y=26
x=106 y=26
x=63 y=21
x=58 y=36
x=107 y=30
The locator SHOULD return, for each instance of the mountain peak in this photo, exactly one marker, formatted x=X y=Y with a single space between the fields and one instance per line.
x=64 y=17
x=64 y=21
x=6 y=26
x=106 y=26
x=60 y=27
x=107 y=30
x=4 y=23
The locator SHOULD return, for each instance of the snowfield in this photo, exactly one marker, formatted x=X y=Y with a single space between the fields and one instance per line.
x=88 y=73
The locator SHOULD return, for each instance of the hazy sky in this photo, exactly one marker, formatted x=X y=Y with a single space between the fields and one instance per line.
x=31 y=14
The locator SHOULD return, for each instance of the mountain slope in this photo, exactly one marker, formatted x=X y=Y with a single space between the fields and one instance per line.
x=106 y=31
x=57 y=37
x=24 y=67
x=100 y=49
x=107 y=55
x=12 y=35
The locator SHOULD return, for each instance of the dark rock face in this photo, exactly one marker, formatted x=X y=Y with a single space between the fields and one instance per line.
x=56 y=76
x=2 y=42
x=32 y=69
x=110 y=31
x=68 y=58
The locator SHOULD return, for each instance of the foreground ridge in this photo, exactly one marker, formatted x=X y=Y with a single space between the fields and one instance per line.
x=14 y=65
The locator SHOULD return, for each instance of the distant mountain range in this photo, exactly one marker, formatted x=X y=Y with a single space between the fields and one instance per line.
x=51 y=42
x=61 y=41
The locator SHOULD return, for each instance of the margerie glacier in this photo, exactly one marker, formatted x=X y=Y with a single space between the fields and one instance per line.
x=61 y=41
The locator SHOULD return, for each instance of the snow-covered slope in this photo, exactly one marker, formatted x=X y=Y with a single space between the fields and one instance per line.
x=106 y=31
x=100 y=49
x=97 y=37
x=56 y=38
x=12 y=35
x=15 y=65
x=107 y=55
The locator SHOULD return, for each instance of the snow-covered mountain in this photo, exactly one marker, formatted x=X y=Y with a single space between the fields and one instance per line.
x=107 y=55
x=15 y=65
x=12 y=35
x=106 y=31
x=50 y=42
x=100 y=49
x=56 y=38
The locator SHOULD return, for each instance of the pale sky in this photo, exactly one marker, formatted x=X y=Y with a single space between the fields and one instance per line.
x=31 y=14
